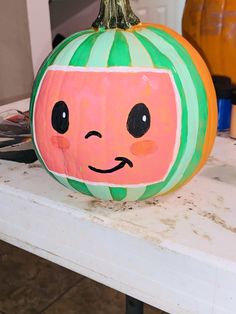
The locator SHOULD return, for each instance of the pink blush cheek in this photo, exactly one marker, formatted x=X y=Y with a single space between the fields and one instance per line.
x=60 y=142
x=143 y=148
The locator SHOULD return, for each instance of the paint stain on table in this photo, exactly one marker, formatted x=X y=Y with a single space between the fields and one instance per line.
x=218 y=220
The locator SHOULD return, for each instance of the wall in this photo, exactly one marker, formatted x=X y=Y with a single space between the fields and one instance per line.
x=40 y=31
x=84 y=12
x=16 y=75
x=83 y=19
x=61 y=10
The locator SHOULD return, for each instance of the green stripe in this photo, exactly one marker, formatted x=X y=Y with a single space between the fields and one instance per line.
x=81 y=55
x=67 y=53
x=79 y=186
x=101 y=49
x=161 y=61
x=118 y=194
x=138 y=54
x=200 y=102
x=119 y=55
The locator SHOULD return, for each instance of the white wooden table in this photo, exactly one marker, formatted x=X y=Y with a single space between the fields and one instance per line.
x=177 y=253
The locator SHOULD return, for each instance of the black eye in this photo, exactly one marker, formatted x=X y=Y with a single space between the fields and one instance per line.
x=60 y=117
x=139 y=120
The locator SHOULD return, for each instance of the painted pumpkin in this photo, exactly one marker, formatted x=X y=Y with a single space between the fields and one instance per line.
x=210 y=26
x=123 y=111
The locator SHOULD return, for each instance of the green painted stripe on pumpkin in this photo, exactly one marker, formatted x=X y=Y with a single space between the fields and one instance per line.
x=101 y=50
x=119 y=54
x=79 y=186
x=99 y=191
x=161 y=61
x=118 y=194
x=81 y=55
x=139 y=55
x=133 y=194
x=67 y=53
x=201 y=103
x=192 y=104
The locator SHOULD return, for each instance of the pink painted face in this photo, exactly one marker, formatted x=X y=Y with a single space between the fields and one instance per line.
x=107 y=127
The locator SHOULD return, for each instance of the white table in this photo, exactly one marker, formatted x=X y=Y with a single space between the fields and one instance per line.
x=177 y=253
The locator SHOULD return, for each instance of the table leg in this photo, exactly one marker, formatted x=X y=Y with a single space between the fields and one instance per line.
x=133 y=306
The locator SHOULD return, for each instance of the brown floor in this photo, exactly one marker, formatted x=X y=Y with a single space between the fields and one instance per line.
x=30 y=285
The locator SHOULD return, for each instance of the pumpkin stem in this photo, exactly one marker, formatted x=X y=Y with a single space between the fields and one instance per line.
x=115 y=14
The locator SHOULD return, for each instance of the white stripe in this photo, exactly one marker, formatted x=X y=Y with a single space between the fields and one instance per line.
x=135 y=193
x=138 y=54
x=105 y=69
x=191 y=100
x=101 y=192
x=64 y=182
x=101 y=50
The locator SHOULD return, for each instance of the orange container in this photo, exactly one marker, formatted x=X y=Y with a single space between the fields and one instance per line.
x=210 y=26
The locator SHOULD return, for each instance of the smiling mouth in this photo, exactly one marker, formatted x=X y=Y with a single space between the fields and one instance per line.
x=123 y=161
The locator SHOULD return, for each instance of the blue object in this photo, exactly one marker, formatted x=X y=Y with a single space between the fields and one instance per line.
x=223 y=89
x=224 y=113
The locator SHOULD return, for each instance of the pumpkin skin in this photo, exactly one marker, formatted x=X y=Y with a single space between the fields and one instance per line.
x=210 y=27
x=101 y=76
